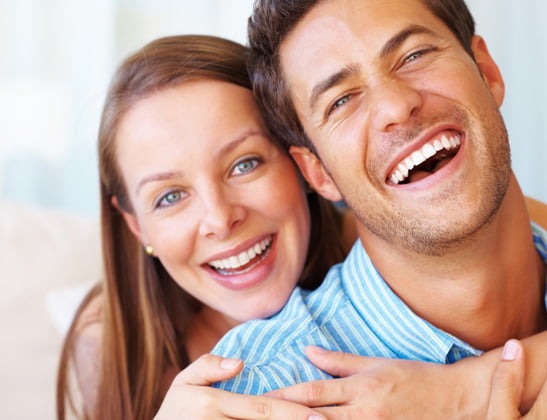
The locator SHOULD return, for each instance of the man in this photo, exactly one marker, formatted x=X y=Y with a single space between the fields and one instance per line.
x=393 y=106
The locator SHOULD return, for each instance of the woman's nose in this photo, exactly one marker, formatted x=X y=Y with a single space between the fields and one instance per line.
x=221 y=215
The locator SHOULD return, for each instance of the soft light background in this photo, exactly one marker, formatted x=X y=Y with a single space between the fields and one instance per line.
x=56 y=58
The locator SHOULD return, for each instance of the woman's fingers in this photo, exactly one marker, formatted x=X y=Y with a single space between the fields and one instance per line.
x=208 y=369
x=507 y=384
x=190 y=396
x=539 y=409
x=250 y=407
x=206 y=403
x=315 y=393
x=338 y=363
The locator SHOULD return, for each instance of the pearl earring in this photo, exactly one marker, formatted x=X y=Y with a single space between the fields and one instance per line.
x=149 y=250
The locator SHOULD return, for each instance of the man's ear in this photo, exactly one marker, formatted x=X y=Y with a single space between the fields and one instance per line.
x=489 y=69
x=313 y=171
x=129 y=218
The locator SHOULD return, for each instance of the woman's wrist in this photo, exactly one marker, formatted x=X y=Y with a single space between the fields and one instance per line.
x=471 y=380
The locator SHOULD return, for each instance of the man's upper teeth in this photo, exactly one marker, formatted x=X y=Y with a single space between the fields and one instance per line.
x=418 y=157
x=236 y=261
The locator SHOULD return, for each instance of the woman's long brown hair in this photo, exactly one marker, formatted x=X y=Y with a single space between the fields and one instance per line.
x=144 y=314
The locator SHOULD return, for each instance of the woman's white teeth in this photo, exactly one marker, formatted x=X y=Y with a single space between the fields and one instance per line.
x=418 y=157
x=242 y=258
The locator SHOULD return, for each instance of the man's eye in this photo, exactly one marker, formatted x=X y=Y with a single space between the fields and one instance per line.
x=414 y=56
x=338 y=103
x=245 y=166
x=169 y=199
x=417 y=54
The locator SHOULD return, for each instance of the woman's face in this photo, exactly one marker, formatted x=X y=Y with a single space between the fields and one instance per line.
x=222 y=206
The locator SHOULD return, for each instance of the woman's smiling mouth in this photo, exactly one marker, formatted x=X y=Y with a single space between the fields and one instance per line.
x=244 y=261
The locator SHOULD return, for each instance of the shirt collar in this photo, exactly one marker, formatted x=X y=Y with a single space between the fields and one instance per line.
x=393 y=322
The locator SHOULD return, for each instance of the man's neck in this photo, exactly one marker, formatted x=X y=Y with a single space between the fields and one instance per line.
x=488 y=291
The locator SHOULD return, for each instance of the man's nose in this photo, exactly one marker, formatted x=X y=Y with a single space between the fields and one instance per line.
x=392 y=103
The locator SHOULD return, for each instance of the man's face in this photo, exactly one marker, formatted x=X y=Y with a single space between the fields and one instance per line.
x=407 y=128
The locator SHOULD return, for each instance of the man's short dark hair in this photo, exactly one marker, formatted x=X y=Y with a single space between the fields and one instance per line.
x=269 y=25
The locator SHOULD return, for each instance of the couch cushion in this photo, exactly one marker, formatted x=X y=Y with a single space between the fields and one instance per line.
x=42 y=253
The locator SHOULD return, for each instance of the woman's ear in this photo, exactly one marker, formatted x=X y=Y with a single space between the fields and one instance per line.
x=129 y=218
x=489 y=69
x=314 y=172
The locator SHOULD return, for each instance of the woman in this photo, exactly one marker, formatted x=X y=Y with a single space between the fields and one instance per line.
x=205 y=224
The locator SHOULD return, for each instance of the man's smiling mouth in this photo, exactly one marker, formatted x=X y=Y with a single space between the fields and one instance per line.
x=244 y=261
x=427 y=160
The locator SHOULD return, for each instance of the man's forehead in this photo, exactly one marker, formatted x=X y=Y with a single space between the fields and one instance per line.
x=330 y=35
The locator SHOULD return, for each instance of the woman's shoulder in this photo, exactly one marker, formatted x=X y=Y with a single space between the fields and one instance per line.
x=88 y=332
x=88 y=320
x=87 y=340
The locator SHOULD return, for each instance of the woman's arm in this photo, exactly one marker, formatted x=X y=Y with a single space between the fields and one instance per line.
x=507 y=384
x=388 y=388
x=190 y=396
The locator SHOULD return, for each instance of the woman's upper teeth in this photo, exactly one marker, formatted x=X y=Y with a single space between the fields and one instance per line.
x=418 y=157
x=236 y=261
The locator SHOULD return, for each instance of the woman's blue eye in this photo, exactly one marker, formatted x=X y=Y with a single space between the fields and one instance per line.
x=170 y=198
x=245 y=166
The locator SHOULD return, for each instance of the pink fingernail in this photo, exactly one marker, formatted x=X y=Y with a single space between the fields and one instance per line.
x=230 y=363
x=510 y=350
x=316 y=417
x=317 y=350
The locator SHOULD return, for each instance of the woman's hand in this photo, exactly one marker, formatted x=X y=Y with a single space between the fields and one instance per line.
x=507 y=385
x=378 y=388
x=190 y=397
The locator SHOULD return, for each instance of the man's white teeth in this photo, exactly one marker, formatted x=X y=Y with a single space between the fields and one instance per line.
x=242 y=258
x=418 y=157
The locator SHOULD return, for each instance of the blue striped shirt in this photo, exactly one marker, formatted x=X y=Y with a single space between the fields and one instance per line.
x=360 y=317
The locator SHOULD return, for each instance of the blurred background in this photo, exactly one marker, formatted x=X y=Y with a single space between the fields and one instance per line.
x=56 y=58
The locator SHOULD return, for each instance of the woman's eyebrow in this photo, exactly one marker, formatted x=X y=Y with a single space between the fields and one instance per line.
x=160 y=176
x=227 y=148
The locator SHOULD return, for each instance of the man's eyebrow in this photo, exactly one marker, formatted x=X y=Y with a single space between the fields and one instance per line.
x=334 y=79
x=395 y=41
x=391 y=45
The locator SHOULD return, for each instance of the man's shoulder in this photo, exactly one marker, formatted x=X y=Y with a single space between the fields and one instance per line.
x=540 y=240
x=273 y=349
x=258 y=341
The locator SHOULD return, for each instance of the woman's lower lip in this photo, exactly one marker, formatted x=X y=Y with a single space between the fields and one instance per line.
x=248 y=278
